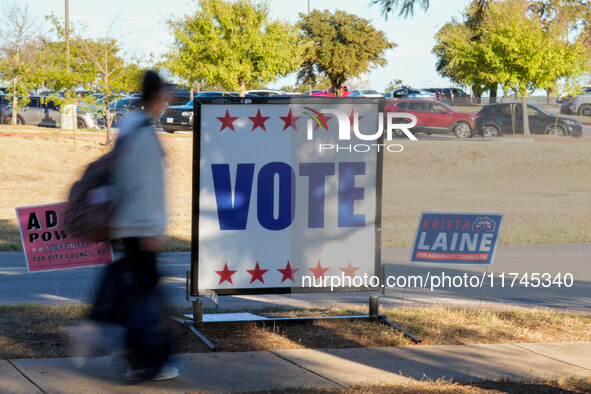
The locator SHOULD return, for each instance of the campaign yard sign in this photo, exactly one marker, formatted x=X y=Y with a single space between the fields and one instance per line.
x=48 y=246
x=279 y=196
x=456 y=238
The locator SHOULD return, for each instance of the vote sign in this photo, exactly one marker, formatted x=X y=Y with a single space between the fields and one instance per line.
x=271 y=206
x=456 y=238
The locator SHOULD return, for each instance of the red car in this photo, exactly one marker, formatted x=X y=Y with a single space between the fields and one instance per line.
x=434 y=117
x=330 y=92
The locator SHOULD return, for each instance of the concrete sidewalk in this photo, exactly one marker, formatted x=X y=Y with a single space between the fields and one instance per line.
x=321 y=368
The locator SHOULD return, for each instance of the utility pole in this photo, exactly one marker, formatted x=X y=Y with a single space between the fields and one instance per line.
x=308 y=20
x=68 y=35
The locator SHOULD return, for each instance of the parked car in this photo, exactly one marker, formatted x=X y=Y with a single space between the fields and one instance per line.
x=455 y=95
x=586 y=90
x=438 y=92
x=43 y=112
x=434 y=117
x=495 y=120
x=4 y=103
x=224 y=94
x=177 y=117
x=365 y=93
x=179 y=97
x=180 y=117
x=330 y=92
x=308 y=93
x=412 y=93
x=566 y=107
x=121 y=107
x=267 y=92
x=581 y=105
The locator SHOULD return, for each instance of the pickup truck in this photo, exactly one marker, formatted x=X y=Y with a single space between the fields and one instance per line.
x=582 y=105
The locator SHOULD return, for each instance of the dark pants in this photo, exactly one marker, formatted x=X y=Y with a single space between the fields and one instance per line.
x=149 y=340
x=142 y=265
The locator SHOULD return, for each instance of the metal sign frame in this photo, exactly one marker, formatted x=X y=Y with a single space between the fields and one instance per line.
x=192 y=284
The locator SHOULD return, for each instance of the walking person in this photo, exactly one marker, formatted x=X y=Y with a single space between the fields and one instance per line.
x=121 y=196
x=139 y=221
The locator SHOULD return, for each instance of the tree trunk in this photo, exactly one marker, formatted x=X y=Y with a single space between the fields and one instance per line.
x=551 y=98
x=242 y=89
x=525 y=117
x=192 y=90
x=108 y=122
x=493 y=93
x=14 y=102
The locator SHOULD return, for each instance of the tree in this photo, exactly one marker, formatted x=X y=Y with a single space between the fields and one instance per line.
x=232 y=43
x=570 y=19
x=459 y=59
x=407 y=7
x=339 y=46
x=113 y=73
x=321 y=83
x=19 y=48
x=393 y=84
x=519 y=53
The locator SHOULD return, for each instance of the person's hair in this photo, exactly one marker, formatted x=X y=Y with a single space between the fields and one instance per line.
x=151 y=85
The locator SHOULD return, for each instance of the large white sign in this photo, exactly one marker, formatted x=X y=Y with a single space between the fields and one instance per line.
x=283 y=194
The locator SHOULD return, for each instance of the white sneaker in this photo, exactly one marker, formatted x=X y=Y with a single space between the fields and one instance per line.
x=165 y=373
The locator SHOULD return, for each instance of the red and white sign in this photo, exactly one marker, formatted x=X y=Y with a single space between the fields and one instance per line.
x=47 y=245
x=276 y=207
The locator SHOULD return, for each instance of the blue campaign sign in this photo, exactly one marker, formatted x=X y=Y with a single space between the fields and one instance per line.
x=456 y=238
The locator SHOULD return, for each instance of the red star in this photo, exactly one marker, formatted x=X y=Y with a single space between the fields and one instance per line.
x=227 y=121
x=257 y=273
x=349 y=270
x=226 y=274
x=287 y=272
x=319 y=271
x=327 y=118
x=259 y=120
x=290 y=121
x=352 y=117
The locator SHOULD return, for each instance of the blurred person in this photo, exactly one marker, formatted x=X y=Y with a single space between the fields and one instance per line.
x=140 y=222
x=129 y=315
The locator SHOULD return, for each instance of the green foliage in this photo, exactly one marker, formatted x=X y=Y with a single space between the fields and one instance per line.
x=339 y=46
x=18 y=53
x=321 y=83
x=232 y=43
x=513 y=47
x=406 y=8
x=520 y=53
x=394 y=84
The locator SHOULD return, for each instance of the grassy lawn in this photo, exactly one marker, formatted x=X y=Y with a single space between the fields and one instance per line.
x=543 y=188
x=40 y=331
x=556 y=386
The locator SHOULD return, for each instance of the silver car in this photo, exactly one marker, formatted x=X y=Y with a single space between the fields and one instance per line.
x=46 y=113
x=365 y=93
x=413 y=93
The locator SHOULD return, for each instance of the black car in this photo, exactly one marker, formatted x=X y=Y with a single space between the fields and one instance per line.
x=180 y=117
x=495 y=120
x=4 y=103
x=177 y=117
